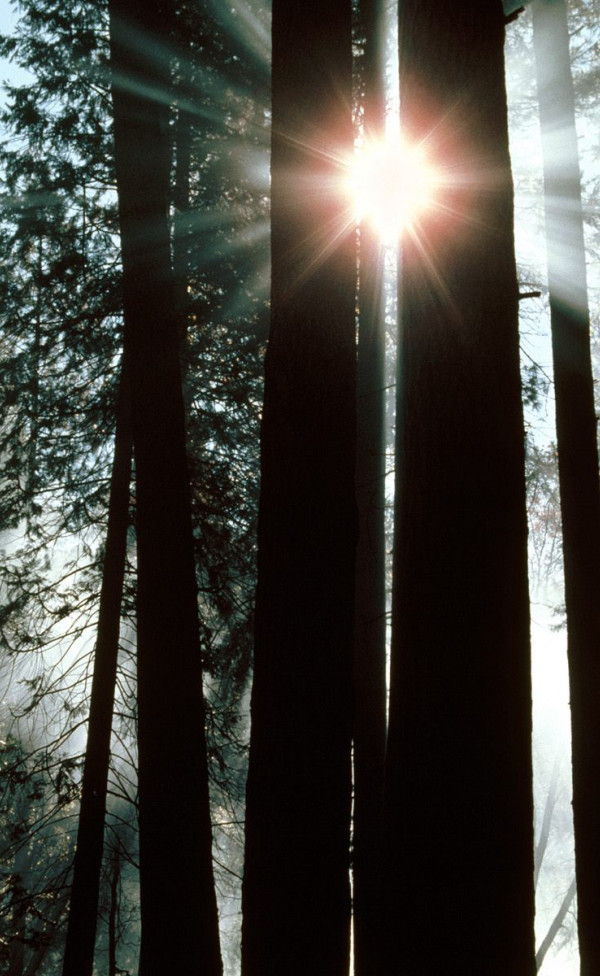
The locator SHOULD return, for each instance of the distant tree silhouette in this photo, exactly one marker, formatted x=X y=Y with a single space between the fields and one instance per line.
x=296 y=897
x=459 y=811
x=576 y=441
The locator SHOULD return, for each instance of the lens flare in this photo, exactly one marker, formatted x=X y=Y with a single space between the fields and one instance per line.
x=391 y=184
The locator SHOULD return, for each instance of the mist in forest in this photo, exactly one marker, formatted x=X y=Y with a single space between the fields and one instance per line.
x=61 y=337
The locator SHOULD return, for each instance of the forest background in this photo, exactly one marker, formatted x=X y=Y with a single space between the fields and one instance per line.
x=59 y=283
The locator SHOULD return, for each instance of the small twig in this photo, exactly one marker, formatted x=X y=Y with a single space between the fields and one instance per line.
x=513 y=16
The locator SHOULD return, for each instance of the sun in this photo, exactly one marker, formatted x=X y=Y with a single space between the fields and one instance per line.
x=391 y=184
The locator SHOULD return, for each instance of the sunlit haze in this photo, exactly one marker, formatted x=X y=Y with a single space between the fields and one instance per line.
x=391 y=184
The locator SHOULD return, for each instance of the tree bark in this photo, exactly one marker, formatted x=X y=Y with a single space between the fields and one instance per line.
x=459 y=808
x=576 y=432
x=296 y=899
x=178 y=904
x=370 y=603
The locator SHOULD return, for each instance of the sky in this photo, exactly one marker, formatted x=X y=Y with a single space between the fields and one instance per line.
x=8 y=71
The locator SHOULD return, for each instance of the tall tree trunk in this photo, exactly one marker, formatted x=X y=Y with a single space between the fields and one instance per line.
x=178 y=904
x=577 y=448
x=459 y=809
x=83 y=909
x=370 y=603
x=296 y=898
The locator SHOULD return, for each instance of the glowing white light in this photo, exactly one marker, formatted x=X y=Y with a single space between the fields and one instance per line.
x=391 y=184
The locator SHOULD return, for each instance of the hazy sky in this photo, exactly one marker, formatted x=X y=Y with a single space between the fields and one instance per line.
x=8 y=19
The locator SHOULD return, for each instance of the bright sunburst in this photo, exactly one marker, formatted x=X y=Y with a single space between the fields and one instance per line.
x=391 y=184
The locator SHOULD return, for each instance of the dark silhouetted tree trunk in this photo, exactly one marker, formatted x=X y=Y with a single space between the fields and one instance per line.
x=459 y=810
x=83 y=910
x=178 y=905
x=18 y=936
x=577 y=449
x=296 y=899
x=113 y=911
x=370 y=620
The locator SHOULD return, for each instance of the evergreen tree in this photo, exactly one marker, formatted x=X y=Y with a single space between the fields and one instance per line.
x=295 y=896
x=459 y=814
x=35 y=855
x=178 y=903
x=83 y=913
x=60 y=128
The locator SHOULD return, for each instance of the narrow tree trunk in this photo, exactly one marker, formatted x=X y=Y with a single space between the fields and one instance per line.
x=577 y=449
x=296 y=899
x=113 y=913
x=459 y=808
x=35 y=363
x=544 y=835
x=182 y=182
x=370 y=608
x=557 y=922
x=178 y=904
x=83 y=910
x=20 y=904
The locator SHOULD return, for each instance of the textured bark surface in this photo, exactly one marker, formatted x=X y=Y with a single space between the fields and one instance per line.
x=459 y=810
x=296 y=900
x=178 y=905
x=576 y=432
x=370 y=604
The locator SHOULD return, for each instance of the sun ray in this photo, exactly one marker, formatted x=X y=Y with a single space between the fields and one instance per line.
x=390 y=183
